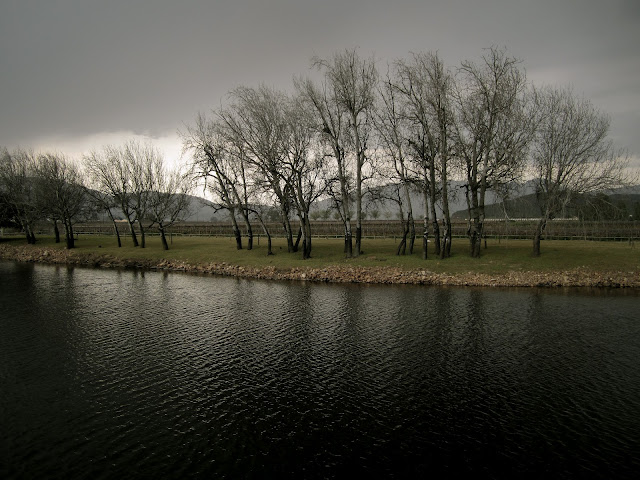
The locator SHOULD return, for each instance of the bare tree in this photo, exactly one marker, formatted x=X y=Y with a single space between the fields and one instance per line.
x=168 y=199
x=139 y=160
x=572 y=155
x=255 y=122
x=331 y=123
x=61 y=192
x=213 y=163
x=302 y=166
x=345 y=109
x=392 y=128
x=111 y=176
x=17 y=171
x=425 y=88
x=493 y=130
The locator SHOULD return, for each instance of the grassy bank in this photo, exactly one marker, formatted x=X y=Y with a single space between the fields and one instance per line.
x=501 y=261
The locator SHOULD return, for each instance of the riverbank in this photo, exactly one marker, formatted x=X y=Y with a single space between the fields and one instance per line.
x=582 y=276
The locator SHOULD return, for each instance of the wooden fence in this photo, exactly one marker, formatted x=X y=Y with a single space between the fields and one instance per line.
x=556 y=229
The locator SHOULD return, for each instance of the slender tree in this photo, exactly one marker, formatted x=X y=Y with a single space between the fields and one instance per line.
x=112 y=177
x=302 y=166
x=213 y=164
x=331 y=125
x=17 y=171
x=392 y=129
x=571 y=155
x=493 y=130
x=61 y=192
x=255 y=122
x=168 y=199
x=354 y=81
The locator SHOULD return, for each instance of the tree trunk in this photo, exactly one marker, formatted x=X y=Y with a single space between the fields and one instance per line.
x=134 y=237
x=476 y=237
x=69 y=235
x=247 y=223
x=142 y=235
x=31 y=237
x=236 y=230
x=115 y=227
x=360 y=163
x=348 y=245
x=538 y=235
x=238 y=237
x=296 y=245
x=402 y=246
x=425 y=232
x=287 y=228
x=446 y=223
x=163 y=237
x=445 y=251
x=436 y=230
x=412 y=234
x=306 y=242
x=56 y=230
x=266 y=232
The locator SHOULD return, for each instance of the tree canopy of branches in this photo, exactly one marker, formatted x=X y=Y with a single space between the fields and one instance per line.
x=61 y=192
x=221 y=166
x=343 y=105
x=571 y=155
x=425 y=89
x=17 y=172
x=124 y=173
x=167 y=197
x=493 y=130
x=266 y=153
x=255 y=122
x=42 y=186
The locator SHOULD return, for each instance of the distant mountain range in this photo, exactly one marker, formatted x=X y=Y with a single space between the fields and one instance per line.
x=521 y=203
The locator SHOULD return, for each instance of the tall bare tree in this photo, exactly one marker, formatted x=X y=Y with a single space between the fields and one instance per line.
x=303 y=166
x=139 y=160
x=62 y=194
x=17 y=172
x=213 y=163
x=493 y=130
x=256 y=123
x=111 y=176
x=571 y=155
x=349 y=92
x=168 y=199
x=392 y=128
x=332 y=126
x=425 y=88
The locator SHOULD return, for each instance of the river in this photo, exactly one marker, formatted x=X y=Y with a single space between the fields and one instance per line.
x=125 y=374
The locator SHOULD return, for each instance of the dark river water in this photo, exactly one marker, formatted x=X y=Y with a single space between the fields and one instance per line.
x=121 y=374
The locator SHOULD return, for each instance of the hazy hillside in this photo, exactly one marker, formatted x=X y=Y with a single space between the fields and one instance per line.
x=619 y=204
x=376 y=203
x=521 y=204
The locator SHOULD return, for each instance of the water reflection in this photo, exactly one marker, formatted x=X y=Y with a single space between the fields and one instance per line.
x=134 y=372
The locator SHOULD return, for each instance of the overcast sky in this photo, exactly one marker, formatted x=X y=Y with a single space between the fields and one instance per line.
x=76 y=74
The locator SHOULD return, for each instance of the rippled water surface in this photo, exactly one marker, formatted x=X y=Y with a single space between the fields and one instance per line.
x=110 y=374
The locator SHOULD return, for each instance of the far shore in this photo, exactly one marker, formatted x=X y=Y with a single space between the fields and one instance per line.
x=582 y=276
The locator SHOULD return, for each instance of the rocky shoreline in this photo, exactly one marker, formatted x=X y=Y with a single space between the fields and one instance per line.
x=333 y=273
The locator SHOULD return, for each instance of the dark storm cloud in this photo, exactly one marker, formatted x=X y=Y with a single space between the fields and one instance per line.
x=76 y=68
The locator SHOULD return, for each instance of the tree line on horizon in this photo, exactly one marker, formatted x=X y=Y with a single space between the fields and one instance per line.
x=415 y=128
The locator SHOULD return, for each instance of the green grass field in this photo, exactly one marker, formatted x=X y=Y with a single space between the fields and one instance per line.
x=498 y=257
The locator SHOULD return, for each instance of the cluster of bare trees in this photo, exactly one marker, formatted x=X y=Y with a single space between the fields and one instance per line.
x=416 y=129
x=134 y=179
x=37 y=186
x=131 y=179
x=338 y=136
